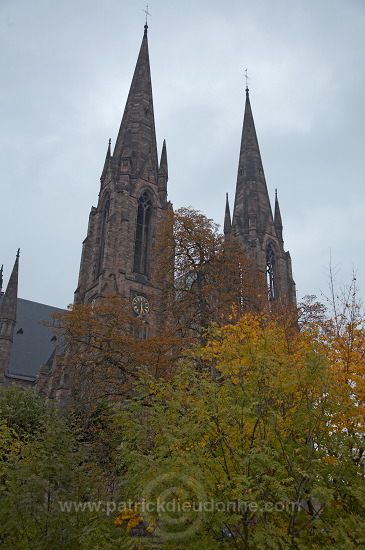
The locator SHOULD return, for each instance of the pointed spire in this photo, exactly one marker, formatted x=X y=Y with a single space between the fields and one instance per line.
x=106 y=163
x=1 y=279
x=227 y=218
x=138 y=123
x=277 y=218
x=163 y=162
x=163 y=173
x=252 y=199
x=9 y=303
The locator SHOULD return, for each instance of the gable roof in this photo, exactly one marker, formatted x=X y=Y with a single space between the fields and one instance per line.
x=32 y=344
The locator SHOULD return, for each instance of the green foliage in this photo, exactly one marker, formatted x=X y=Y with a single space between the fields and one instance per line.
x=52 y=491
x=22 y=410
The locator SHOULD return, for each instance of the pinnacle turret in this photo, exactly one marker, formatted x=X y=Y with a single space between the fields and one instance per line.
x=277 y=218
x=106 y=163
x=227 y=219
x=8 y=310
x=9 y=301
x=163 y=173
x=163 y=162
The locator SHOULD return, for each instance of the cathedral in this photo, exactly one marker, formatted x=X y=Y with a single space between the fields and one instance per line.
x=117 y=253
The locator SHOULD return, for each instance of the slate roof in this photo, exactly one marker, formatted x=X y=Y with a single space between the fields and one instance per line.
x=32 y=345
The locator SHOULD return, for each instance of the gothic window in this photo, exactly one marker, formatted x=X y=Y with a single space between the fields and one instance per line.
x=143 y=233
x=271 y=271
x=105 y=217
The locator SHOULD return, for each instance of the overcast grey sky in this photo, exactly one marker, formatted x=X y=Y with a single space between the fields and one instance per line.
x=66 y=68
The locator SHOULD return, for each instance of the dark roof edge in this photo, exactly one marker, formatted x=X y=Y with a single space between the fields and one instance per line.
x=20 y=377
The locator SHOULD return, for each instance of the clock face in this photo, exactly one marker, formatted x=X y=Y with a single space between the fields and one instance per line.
x=140 y=305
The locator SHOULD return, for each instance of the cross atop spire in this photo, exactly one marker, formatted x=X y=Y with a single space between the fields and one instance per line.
x=147 y=13
x=146 y=24
x=247 y=79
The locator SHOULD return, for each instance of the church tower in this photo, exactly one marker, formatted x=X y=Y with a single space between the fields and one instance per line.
x=117 y=252
x=259 y=232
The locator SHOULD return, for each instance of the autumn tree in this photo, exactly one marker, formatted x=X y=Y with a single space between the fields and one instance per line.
x=262 y=444
x=47 y=478
x=205 y=277
x=101 y=352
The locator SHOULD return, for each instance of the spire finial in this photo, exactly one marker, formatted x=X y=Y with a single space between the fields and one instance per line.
x=18 y=253
x=146 y=23
x=1 y=278
x=276 y=194
x=247 y=79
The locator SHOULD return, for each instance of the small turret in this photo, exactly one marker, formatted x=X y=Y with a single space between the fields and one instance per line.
x=8 y=304
x=277 y=219
x=8 y=309
x=227 y=229
x=106 y=163
x=163 y=173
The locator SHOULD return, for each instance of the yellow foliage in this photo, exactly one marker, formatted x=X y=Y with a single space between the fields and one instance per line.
x=132 y=517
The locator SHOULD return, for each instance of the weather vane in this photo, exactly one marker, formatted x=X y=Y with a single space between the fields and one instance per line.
x=247 y=79
x=147 y=13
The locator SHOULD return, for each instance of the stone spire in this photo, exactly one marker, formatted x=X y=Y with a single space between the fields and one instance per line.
x=1 y=279
x=8 y=304
x=108 y=152
x=252 y=210
x=137 y=136
x=277 y=218
x=253 y=224
x=106 y=163
x=163 y=162
x=163 y=173
x=117 y=255
x=227 y=219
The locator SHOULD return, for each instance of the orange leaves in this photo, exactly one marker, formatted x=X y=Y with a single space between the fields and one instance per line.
x=205 y=277
x=101 y=350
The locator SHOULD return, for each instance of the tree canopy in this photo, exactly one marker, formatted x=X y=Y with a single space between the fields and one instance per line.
x=238 y=424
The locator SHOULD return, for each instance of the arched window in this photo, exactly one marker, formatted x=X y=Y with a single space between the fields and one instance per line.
x=105 y=217
x=271 y=271
x=143 y=233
